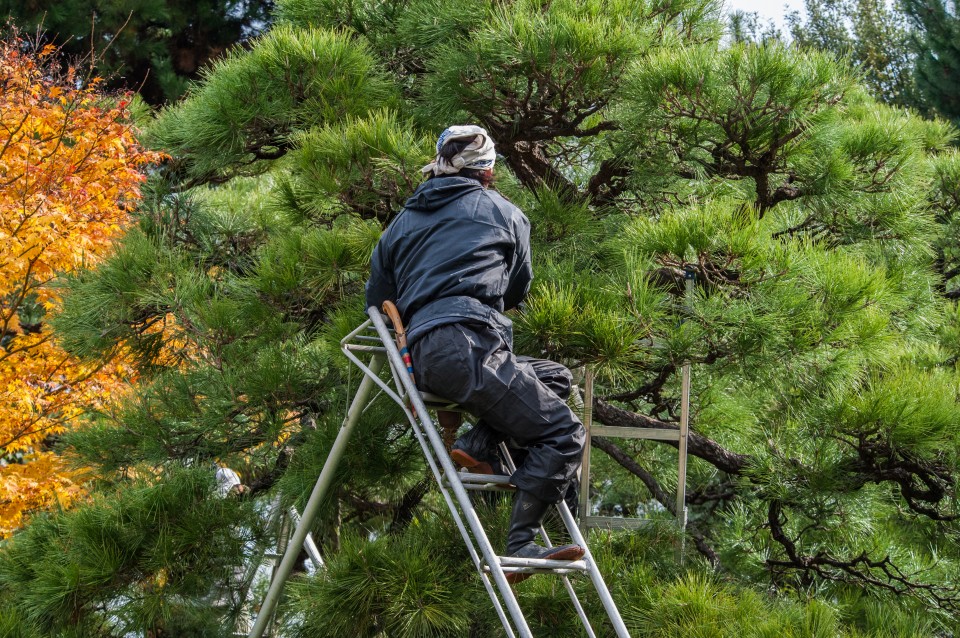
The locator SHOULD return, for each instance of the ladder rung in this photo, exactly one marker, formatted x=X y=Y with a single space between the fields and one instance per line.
x=356 y=348
x=517 y=564
x=653 y=434
x=490 y=487
x=563 y=571
x=429 y=399
x=484 y=482
x=469 y=477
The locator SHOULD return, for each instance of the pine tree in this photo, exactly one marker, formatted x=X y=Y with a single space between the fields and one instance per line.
x=823 y=333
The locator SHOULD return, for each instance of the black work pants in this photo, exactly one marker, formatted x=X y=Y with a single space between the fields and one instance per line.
x=519 y=397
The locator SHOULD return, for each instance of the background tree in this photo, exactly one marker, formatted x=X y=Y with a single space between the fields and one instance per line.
x=745 y=26
x=823 y=332
x=873 y=34
x=155 y=48
x=71 y=171
x=938 y=60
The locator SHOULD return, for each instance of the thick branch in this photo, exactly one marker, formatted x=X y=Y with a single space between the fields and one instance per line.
x=534 y=170
x=405 y=508
x=609 y=181
x=923 y=483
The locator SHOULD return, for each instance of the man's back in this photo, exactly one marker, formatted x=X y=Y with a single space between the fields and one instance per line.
x=454 y=241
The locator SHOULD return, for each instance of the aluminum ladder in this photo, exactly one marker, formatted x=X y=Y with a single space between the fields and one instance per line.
x=374 y=339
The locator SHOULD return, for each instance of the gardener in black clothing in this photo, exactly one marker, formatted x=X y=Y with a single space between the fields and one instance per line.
x=453 y=261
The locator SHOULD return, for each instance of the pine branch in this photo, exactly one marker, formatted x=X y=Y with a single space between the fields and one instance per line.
x=861 y=569
x=649 y=389
x=403 y=514
x=534 y=170
x=609 y=182
x=923 y=483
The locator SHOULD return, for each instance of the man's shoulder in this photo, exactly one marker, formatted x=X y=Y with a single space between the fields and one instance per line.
x=508 y=210
x=496 y=198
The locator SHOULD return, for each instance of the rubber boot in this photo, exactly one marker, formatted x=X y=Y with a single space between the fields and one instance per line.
x=525 y=520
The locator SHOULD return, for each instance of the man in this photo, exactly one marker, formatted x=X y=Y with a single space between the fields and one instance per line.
x=454 y=260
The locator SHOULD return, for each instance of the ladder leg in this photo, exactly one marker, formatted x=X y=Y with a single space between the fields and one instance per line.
x=594 y=572
x=608 y=604
x=316 y=498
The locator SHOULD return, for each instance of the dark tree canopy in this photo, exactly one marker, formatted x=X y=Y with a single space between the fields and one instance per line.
x=155 y=47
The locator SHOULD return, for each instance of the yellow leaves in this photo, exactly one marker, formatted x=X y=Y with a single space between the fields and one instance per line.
x=67 y=163
x=12 y=323
x=41 y=481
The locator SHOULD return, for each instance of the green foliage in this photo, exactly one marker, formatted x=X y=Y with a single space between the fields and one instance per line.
x=814 y=226
x=738 y=112
x=696 y=606
x=364 y=166
x=407 y=588
x=252 y=101
x=517 y=50
x=74 y=569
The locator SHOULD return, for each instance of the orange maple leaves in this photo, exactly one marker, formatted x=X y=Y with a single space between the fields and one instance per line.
x=70 y=170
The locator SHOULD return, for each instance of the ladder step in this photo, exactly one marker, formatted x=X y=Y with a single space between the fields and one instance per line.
x=652 y=434
x=484 y=482
x=614 y=522
x=511 y=565
x=469 y=477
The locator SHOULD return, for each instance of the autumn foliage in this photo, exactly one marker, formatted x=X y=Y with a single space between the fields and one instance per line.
x=70 y=170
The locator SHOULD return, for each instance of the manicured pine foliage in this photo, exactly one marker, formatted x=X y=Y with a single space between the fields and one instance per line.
x=822 y=331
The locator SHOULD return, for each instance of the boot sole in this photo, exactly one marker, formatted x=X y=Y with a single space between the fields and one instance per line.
x=570 y=553
x=463 y=459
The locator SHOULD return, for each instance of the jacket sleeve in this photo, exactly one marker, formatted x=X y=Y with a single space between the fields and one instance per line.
x=380 y=286
x=521 y=272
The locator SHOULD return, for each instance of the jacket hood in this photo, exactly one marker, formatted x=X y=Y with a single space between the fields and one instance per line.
x=436 y=193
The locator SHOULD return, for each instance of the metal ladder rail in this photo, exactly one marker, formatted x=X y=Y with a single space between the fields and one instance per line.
x=511 y=466
x=277 y=518
x=587 y=564
x=593 y=570
x=380 y=354
x=318 y=494
x=431 y=442
x=401 y=399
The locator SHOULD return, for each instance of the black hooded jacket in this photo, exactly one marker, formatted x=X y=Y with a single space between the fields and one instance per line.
x=456 y=252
